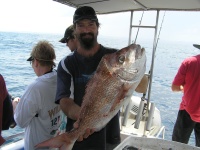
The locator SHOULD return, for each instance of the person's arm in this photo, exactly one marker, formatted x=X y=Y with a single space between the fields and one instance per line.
x=28 y=106
x=67 y=105
x=70 y=109
x=179 y=79
x=176 y=88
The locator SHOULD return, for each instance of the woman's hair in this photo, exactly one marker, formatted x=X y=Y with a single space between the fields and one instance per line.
x=44 y=52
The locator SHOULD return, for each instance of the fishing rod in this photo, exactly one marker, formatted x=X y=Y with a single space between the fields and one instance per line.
x=160 y=30
x=153 y=53
x=138 y=27
x=140 y=22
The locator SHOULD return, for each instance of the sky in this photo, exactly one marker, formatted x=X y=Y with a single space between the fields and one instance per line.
x=48 y=16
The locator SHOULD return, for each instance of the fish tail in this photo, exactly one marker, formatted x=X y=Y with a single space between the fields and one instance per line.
x=63 y=142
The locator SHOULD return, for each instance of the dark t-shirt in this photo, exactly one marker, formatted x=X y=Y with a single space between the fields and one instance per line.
x=74 y=72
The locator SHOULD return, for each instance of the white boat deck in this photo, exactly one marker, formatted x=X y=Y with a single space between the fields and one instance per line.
x=153 y=144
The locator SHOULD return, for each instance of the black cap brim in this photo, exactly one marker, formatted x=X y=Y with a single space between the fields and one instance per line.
x=92 y=18
x=30 y=58
x=196 y=45
x=63 y=40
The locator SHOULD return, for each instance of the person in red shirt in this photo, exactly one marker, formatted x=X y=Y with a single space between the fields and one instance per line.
x=187 y=80
x=6 y=108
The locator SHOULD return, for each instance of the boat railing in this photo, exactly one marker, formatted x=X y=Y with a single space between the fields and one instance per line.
x=161 y=132
x=21 y=134
x=14 y=142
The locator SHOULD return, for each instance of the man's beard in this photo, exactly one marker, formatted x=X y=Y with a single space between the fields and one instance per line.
x=87 y=42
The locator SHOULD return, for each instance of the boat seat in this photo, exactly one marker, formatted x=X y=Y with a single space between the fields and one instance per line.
x=142 y=86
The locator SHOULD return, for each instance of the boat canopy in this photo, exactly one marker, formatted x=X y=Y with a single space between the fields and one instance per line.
x=114 y=6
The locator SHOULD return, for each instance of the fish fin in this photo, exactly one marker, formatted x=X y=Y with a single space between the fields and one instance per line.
x=63 y=142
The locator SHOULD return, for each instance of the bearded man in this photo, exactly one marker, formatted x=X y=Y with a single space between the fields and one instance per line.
x=74 y=72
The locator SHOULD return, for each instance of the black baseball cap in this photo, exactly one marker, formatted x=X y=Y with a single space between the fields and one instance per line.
x=69 y=34
x=84 y=12
x=196 y=45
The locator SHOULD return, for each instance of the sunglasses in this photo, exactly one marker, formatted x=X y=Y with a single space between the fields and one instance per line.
x=70 y=38
x=31 y=60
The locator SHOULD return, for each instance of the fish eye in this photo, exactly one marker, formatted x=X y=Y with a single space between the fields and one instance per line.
x=121 y=59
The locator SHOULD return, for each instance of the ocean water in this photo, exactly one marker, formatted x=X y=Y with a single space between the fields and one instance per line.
x=15 y=48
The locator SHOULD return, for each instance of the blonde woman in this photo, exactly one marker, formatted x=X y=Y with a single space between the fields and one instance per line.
x=36 y=111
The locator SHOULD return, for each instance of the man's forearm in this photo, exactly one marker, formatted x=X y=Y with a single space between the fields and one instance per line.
x=176 y=88
x=70 y=109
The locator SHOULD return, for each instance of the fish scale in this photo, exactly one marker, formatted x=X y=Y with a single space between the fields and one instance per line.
x=116 y=78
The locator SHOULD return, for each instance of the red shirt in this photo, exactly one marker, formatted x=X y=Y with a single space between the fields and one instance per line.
x=188 y=75
x=3 y=94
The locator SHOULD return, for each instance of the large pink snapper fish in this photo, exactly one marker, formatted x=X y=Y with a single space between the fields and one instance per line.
x=116 y=78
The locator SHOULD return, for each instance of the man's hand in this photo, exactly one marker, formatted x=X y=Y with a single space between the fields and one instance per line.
x=182 y=88
x=15 y=102
x=176 y=88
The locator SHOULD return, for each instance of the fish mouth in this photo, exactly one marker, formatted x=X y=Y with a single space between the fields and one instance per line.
x=127 y=75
